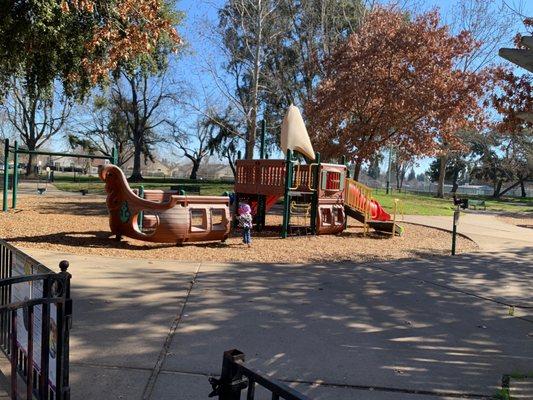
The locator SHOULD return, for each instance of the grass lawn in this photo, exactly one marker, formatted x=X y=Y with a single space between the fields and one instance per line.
x=421 y=204
x=414 y=204
x=97 y=187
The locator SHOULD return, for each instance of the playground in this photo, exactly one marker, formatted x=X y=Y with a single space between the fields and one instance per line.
x=338 y=296
x=79 y=224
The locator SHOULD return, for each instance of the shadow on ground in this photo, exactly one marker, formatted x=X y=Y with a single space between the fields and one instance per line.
x=436 y=326
x=85 y=208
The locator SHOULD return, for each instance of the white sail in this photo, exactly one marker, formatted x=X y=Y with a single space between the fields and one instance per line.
x=294 y=134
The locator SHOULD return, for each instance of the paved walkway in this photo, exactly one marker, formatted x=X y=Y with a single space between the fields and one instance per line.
x=428 y=329
x=487 y=230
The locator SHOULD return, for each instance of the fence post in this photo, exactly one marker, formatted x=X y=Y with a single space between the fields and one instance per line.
x=141 y=215
x=231 y=376
x=6 y=174
x=15 y=175
x=64 y=322
x=456 y=214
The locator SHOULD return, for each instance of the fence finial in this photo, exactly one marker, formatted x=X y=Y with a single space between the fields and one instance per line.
x=63 y=265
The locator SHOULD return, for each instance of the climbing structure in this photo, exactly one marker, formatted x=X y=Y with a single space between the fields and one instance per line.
x=312 y=192
x=317 y=196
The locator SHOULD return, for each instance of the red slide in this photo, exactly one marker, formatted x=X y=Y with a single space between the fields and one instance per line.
x=376 y=211
x=270 y=201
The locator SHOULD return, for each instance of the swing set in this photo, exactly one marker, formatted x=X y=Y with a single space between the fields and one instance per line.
x=15 y=150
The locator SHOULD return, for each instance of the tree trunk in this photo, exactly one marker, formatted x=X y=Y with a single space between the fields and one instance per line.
x=194 y=170
x=398 y=177
x=497 y=188
x=29 y=165
x=523 y=189
x=357 y=170
x=521 y=181
x=455 y=184
x=250 y=140
x=252 y=125
x=232 y=166
x=136 y=175
x=442 y=175
x=30 y=144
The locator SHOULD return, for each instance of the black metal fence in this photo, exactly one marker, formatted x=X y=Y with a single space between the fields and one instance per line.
x=236 y=377
x=35 y=320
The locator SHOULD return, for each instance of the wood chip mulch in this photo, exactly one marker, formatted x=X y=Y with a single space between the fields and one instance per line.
x=79 y=225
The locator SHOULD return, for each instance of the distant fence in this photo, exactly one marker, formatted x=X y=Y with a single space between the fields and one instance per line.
x=35 y=320
x=431 y=188
x=236 y=377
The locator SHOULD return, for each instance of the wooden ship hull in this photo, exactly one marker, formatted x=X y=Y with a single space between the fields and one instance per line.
x=163 y=216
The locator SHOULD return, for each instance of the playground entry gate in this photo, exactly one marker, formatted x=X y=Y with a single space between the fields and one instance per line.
x=236 y=377
x=35 y=320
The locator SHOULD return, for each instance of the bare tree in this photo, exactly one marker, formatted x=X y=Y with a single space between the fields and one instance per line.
x=194 y=143
x=35 y=116
x=225 y=140
x=247 y=28
x=144 y=102
x=105 y=129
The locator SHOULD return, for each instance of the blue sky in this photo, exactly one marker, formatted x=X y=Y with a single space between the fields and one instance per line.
x=199 y=13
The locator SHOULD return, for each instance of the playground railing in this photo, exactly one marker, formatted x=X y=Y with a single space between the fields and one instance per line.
x=35 y=321
x=359 y=197
x=236 y=377
x=260 y=176
x=303 y=177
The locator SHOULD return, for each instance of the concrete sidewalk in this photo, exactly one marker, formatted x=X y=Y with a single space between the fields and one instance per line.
x=489 y=232
x=436 y=328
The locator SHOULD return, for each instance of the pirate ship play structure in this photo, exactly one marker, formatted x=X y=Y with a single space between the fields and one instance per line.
x=163 y=216
x=317 y=198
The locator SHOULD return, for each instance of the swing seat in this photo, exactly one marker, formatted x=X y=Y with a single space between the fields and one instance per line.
x=41 y=190
x=84 y=192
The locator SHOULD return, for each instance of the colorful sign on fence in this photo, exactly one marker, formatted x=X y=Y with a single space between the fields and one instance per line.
x=23 y=265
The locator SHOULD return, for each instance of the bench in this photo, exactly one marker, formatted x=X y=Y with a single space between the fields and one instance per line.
x=187 y=189
x=477 y=203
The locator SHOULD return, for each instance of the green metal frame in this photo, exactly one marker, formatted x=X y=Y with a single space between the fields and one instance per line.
x=6 y=174
x=286 y=196
x=314 y=200
x=16 y=151
x=140 y=215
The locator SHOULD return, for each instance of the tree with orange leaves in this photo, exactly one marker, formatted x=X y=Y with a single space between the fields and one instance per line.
x=79 y=41
x=395 y=82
